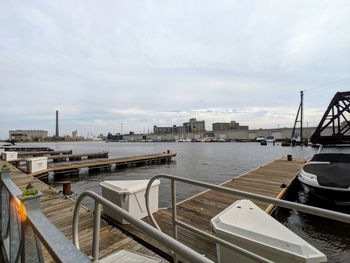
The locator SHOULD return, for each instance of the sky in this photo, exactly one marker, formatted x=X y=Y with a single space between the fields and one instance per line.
x=112 y=66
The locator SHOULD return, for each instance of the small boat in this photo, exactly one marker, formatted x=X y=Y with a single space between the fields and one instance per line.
x=259 y=139
x=270 y=139
x=327 y=175
x=6 y=143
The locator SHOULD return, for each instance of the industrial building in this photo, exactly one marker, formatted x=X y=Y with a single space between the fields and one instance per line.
x=192 y=126
x=27 y=135
x=227 y=126
x=174 y=129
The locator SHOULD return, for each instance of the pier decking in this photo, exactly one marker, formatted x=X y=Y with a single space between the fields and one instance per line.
x=271 y=180
x=59 y=210
x=69 y=157
x=23 y=154
x=105 y=164
x=27 y=149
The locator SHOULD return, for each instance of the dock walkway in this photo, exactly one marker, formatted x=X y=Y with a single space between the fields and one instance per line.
x=272 y=180
x=68 y=157
x=59 y=209
x=22 y=154
x=104 y=164
x=26 y=148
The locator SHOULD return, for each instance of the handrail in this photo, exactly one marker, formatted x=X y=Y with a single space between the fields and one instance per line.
x=278 y=202
x=171 y=243
x=25 y=223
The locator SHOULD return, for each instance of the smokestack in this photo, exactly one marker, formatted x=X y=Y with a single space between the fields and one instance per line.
x=57 y=131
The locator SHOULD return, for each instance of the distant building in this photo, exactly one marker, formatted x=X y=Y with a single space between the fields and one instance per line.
x=73 y=138
x=27 y=135
x=74 y=133
x=162 y=130
x=227 y=126
x=194 y=126
x=115 y=138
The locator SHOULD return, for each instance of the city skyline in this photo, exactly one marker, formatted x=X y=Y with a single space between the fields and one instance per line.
x=153 y=63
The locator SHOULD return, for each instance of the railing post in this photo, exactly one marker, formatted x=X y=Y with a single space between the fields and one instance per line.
x=30 y=245
x=4 y=214
x=3 y=175
x=96 y=231
x=173 y=209
x=15 y=235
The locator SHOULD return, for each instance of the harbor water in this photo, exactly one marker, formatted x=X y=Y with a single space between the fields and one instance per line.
x=215 y=163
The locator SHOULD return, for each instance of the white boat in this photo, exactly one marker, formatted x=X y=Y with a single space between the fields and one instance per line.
x=327 y=175
x=259 y=139
x=270 y=139
x=6 y=143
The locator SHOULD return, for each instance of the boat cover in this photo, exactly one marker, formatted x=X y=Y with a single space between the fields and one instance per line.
x=331 y=157
x=330 y=175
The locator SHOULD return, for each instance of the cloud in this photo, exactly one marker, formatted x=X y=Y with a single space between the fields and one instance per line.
x=152 y=63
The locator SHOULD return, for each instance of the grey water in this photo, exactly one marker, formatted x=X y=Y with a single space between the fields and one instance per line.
x=214 y=163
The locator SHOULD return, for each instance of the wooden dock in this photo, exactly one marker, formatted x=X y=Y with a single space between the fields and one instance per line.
x=77 y=157
x=68 y=157
x=23 y=154
x=272 y=179
x=73 y=168
x=59 y=209
x=26 y=149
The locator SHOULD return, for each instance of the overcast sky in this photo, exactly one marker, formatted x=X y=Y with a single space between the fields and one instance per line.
x=160 y=63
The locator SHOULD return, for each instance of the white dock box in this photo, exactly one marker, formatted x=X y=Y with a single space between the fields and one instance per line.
x=9 y=156
x=130 y=195
x=247 y=226
x=36 y=164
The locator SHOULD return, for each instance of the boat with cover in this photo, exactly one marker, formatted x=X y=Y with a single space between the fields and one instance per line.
x=327 y=175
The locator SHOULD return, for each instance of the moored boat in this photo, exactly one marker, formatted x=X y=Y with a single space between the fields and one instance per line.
x=327 y=175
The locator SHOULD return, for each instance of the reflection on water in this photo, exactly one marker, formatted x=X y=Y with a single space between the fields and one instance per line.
x=329 y=236
x=216 y=163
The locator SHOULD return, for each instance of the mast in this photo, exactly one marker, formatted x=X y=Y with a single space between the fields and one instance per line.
x=301 y=114
x=299 y=117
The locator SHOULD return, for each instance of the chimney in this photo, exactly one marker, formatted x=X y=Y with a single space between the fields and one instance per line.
x=57 y=132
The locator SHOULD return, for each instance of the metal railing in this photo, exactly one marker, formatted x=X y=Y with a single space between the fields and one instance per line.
x=24 y=229
x=174 y=245
x=278 y=202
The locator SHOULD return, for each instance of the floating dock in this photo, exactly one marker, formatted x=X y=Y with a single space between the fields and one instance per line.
x=27 y=149
x=272 y=179
x=59 y=210
x=73 y=168
x=77 y=157
x=68 y=157
x=23 y=154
